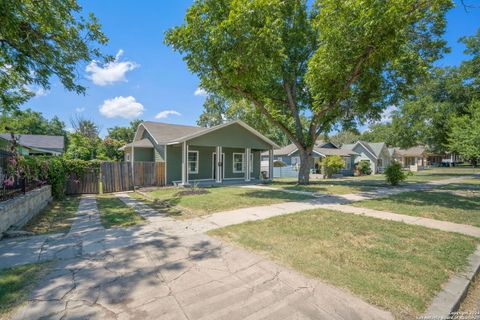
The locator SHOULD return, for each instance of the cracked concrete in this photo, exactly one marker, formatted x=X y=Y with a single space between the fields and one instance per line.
x=170 y=269
x=165 y=271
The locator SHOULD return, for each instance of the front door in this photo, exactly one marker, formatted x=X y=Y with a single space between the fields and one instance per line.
x=214 y=166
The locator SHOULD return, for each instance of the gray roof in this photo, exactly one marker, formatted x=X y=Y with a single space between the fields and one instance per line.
x=37 y=141
x=144 y=143
x=165 y=132
x=285 y=151
x=374 y=148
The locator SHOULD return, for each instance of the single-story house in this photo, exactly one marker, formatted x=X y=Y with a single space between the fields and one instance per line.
x=191 y=154
x=418 y=158
x=35 y=144
x=376 y=153
x=289 y=156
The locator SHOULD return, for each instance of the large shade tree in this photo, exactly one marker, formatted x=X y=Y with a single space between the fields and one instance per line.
x=40 y=39
x=326 y=62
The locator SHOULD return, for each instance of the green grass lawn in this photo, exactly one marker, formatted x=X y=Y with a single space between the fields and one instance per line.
x=16 y=284
x=367 y=183
x=214 y=199
x=459 y=203
x=115 y=213
x=396 y=266
x=441 y=173
x=57 y=217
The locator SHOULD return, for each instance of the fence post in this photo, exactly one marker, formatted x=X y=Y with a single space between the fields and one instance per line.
x=100 y=183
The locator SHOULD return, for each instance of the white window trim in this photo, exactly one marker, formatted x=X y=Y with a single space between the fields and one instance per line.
x=196 y=161
x=243 y=162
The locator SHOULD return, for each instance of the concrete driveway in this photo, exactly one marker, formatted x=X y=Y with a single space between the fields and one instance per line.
x=167 y=271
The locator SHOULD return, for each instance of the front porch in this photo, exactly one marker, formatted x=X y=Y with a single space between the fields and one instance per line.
x=189 y=164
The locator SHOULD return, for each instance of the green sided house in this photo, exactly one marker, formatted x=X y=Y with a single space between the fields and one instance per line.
x=191 y=154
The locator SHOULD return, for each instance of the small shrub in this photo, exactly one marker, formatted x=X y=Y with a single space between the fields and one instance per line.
x=364 y=167
x=394 y=173
x=333 y=164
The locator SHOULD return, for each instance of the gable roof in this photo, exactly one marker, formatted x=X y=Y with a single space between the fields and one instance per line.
x=416 y=151
x=43 y=142
x=374 y=148
x=166 y=133
x=319 y=149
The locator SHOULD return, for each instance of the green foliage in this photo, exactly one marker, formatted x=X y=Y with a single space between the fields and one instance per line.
x=124 y=134
x=31 y=122
x=394 y=173
x=81 y=147
x=217 y=110
x=343 y=137
x=51 y=170
x=363 y=167
x=333 y=164
x=41 y=39
x=305 y=68
x=109 y=150
x=424 y=117
x=464 y=137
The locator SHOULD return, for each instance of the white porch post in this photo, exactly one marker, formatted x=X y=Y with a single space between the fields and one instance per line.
x=248 y=164
x=218 y=167
x=184 y=163
x=270 y=164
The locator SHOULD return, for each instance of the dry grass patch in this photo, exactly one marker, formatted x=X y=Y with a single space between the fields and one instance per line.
x=57 y=217
x=396 y=266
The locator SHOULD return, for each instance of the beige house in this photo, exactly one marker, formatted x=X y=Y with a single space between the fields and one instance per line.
x=417 y=158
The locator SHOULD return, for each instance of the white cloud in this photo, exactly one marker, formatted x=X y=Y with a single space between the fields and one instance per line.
x=387 y=114
x=200 y=92
x=79 y=109
x=123 y=107
x=166 y=114
x=37 y=91
x=111 y=72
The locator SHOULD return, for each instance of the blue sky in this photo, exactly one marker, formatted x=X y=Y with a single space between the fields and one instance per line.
x=158 y=79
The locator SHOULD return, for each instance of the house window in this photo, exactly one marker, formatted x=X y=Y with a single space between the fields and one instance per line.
x=192 y=161
x=348 y=163
x=127 y=156
x=295 y=160
x=238 y=163
x=279 y=158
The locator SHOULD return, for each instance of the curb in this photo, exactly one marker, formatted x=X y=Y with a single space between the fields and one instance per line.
x=448 y=300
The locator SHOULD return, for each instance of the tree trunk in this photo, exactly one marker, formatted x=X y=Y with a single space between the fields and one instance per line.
x=305 y=163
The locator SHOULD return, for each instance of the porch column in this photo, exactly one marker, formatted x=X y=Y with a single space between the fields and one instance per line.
x=184 y=163
x=270 y=164
x=218 y=167
x=248 y=164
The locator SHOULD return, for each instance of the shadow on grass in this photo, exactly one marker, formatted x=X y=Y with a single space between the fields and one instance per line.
x=435 y=198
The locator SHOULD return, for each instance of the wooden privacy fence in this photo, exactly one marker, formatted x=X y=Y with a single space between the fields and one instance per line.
x=117 y=176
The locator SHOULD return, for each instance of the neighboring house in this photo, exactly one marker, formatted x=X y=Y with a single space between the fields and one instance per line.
x=34 y=144
x=191 y=153
x=376 y=153
x=418 y=158
x=289 y=156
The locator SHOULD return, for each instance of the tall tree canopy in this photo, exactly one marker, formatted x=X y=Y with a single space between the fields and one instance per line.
x=31 y=122
x=464 y=137
x=40 y=39
x=217 y=110
x=329 y=62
